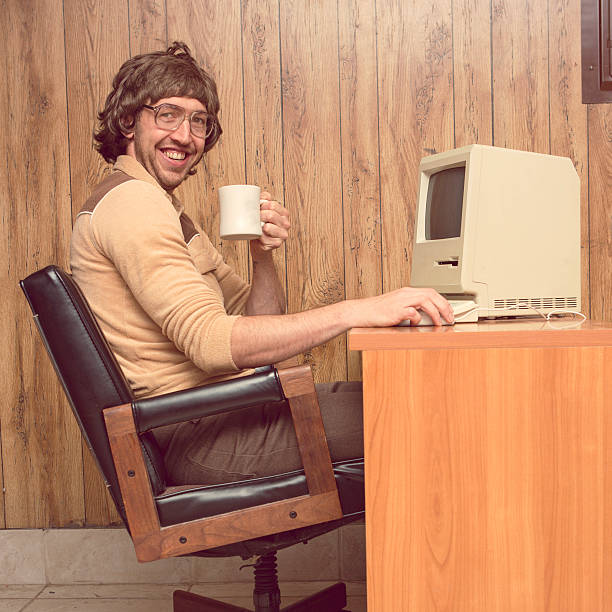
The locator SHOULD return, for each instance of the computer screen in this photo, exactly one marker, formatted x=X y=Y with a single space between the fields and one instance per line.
x=445 y=204
x=500 y=227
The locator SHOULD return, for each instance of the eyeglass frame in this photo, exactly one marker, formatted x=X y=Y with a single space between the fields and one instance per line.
x=205 y=137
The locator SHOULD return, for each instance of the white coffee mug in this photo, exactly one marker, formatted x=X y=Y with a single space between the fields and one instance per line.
x=239 y=212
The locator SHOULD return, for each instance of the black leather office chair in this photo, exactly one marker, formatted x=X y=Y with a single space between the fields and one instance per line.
x=248 y=518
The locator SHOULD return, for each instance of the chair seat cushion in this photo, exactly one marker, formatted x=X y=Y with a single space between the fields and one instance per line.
x=182 y=504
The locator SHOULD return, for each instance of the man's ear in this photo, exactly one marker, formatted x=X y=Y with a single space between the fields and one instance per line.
x=127 y=126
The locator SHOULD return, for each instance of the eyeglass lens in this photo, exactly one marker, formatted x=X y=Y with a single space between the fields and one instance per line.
x=170 y=117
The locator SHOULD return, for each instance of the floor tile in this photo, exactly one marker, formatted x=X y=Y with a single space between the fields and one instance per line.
x=352 y=548
x=13 y=605
x=356 y=604
x=355 y=588
x=317 y=560
x=20 y=591
x=105 y=556
x=151 y=597
x=222 y=589
x=100 y=605
x=22 y=556
x=110 y=591
x=220 y=569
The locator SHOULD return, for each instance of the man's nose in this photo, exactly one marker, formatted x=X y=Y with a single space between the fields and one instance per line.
x=182 y=133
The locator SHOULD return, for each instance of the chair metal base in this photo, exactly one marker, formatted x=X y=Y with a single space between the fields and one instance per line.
x=331 y=599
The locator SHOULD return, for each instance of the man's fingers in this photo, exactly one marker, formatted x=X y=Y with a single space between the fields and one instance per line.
x=275 y=214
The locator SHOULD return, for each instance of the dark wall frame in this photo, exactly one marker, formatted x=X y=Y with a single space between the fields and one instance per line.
x=596 y=51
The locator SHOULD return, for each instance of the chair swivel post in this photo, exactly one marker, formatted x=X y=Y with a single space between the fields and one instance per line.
x=266 y=593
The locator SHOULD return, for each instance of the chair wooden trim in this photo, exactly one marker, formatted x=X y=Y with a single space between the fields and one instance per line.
x=152 y=541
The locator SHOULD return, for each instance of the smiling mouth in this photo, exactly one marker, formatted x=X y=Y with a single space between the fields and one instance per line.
x=176 y=155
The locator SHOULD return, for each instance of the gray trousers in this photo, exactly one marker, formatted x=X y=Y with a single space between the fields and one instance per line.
x=261 y=441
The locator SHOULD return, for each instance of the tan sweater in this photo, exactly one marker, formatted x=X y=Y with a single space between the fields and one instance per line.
x=161 y=292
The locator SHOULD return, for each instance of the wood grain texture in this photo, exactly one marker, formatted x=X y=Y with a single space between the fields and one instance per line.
x=472 y=72
x=303 y=134
x=415 y=97
x=249 y=523
x=606 y=534
x=486 y=492
x=568 y=116
x=40 y=444
x=213 y=31
x=309 y=49
x=600 y=209
x=147 y=26
x=100 y=510
x=97 y=43
x=520 y=75
x=359 y=142
x=298 y=387
x=485 y=334
x=263 y=128
x=134 y=482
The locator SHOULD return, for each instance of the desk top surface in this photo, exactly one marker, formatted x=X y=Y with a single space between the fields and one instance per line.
x=501 y=333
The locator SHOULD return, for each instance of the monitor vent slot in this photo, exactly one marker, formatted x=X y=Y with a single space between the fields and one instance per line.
x=537 y=303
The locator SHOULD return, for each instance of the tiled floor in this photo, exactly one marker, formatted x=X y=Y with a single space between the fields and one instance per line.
x=150 y=597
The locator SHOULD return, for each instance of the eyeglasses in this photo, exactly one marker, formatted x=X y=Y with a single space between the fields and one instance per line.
x=170 y=117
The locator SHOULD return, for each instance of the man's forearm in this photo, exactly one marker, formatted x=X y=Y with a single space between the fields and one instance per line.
x=267 y=294
x=261 y=340
x=265 y=339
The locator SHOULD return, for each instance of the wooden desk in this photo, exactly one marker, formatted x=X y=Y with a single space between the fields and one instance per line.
x=488 y=467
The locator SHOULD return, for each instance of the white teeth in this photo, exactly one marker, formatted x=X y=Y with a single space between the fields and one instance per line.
x=174 y=154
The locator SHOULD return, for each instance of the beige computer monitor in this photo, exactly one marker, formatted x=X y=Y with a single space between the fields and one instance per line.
x=500 y=227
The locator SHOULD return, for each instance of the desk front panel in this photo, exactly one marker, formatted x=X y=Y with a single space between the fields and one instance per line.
x=488 y=479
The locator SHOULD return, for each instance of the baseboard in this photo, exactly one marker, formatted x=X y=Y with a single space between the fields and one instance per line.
x=106 y=556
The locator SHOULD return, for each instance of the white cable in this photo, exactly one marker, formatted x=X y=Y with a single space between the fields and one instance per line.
x=547 y=316
x=463 y=315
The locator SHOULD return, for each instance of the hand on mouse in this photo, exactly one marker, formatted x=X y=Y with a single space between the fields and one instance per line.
x=408 y=303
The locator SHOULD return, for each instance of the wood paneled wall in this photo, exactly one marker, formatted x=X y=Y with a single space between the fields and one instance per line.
x=330 y=104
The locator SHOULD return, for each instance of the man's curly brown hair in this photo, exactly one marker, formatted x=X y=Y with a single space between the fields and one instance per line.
x=145 y=79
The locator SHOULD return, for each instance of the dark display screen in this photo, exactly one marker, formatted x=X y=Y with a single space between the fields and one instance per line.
x=444 y=204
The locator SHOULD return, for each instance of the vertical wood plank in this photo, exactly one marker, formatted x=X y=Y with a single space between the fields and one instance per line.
x=262 y=103
x=100 y=510
x=520 y=75
x=568 y=116
x=97 y=43
x=600 y=188
x=360 y=177
x=416 y=115
x=147 y=26
x=472 y=72
x=309 y=51
x=212 y=29
x=41 y=456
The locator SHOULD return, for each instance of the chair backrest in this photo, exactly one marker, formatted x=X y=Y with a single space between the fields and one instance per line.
x=85 y=364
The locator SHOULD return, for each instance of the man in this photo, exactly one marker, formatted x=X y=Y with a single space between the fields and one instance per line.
x=173 y=311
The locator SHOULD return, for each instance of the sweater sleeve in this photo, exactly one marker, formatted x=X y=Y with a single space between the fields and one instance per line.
x=138 y=229
x=235 y=290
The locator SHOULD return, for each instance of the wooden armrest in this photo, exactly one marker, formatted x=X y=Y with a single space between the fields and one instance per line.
x=298 y=387
x=151 y=541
